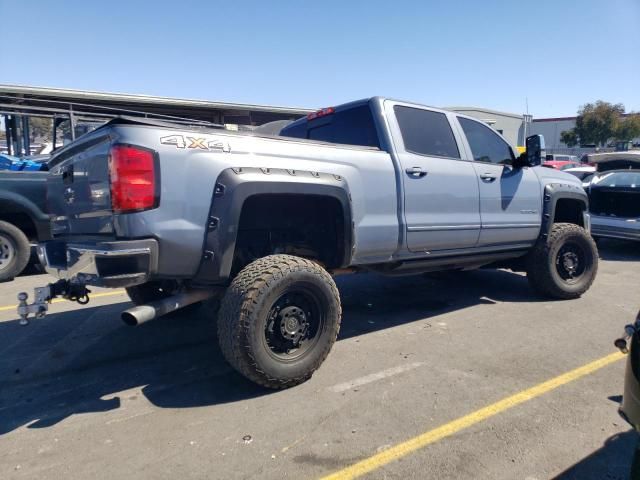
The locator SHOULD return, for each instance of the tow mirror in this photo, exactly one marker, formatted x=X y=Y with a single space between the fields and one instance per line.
x=535 y=150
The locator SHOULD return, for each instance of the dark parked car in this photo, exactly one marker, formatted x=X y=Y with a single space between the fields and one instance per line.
x=22 y=219
x=630 y=407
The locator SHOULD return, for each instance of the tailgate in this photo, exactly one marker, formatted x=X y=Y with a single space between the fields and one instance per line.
x=78 y=192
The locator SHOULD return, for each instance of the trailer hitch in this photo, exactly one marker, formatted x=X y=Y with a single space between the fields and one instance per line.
x=75 y=292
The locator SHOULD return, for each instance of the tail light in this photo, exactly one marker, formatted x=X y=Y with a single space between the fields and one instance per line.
x=321 y=113
x=134 y=179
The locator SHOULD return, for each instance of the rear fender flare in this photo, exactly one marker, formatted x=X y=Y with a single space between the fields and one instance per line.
x=235 y=185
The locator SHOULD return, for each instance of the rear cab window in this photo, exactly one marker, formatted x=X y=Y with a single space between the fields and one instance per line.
x=350 y=125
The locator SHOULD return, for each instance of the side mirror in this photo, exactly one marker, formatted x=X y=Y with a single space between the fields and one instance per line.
x=535 y=150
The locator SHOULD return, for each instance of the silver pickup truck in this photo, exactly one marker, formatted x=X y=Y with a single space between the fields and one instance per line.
x=177 y=214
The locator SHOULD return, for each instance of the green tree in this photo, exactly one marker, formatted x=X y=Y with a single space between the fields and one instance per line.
x=40 y=127
x=628 y=128
x=596 y=123
x=569 y=137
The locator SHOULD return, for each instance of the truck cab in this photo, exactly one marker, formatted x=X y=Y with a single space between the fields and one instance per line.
x=461 y=188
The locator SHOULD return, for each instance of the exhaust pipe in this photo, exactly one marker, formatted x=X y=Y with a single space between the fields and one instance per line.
x=144 y=313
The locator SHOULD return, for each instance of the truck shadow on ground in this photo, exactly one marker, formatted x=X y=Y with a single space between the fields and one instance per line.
x=612 y=461
x=85 y=360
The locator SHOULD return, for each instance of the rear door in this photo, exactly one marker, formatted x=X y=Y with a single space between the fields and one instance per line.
x=441 y=195
x=510 y=199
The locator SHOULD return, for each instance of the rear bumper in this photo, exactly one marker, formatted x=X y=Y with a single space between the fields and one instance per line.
x=611 y=227
x=103 y=264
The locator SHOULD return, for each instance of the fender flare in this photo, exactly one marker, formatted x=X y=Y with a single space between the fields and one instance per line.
x=11 y=202
x=235 y=185
x=553 y=192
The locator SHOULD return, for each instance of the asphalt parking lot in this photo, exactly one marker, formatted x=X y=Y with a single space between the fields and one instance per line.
x=84 y=396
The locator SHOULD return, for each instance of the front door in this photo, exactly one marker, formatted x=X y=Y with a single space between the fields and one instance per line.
x=510 y=198
x=441 y=196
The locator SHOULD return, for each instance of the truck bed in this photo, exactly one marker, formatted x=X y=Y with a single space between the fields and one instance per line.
x=190 y=162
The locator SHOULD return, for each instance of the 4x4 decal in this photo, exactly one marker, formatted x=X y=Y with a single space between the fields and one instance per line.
x=180 y=141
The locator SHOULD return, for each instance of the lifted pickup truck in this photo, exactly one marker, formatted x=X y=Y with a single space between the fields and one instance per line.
x=176 y=215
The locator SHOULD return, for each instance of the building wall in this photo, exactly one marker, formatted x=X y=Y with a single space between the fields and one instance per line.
x=551 y=129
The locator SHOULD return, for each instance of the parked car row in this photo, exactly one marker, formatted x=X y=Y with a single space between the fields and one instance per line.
x=560 y=162
x=614 y=195
x=35 y=163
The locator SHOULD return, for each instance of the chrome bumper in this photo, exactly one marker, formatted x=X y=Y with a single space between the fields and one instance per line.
x=103 y=264
x=612 y=227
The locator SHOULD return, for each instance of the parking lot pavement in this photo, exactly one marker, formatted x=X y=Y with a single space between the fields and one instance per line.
x=84 y=396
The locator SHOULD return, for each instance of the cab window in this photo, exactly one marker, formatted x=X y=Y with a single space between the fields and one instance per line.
x=426 y=132
x=486 y=145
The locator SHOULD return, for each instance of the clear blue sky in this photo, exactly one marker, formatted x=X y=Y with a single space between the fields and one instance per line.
x=558 y=53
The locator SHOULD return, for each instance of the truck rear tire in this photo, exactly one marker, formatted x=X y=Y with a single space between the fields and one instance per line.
x=564 y=265
x=279 y=319
x=15 y=251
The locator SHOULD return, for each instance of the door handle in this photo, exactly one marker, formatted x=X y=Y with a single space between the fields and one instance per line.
x=416 y=172
x=488 y=177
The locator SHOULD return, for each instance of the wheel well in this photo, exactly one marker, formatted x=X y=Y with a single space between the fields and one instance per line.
x=569 y=211
x=310 y=226
x=23 y=222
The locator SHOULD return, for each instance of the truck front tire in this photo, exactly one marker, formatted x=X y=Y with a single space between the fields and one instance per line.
x=278 y=320
x=563 y=265
x=15 y=251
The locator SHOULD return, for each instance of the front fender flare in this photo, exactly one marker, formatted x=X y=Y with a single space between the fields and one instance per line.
x=553 y=192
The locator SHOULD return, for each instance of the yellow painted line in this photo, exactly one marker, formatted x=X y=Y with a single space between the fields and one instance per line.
x=58 y=300
x=405 y=448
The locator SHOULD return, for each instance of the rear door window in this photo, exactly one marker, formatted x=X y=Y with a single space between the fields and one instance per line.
x=426 y=132
x=486 y=145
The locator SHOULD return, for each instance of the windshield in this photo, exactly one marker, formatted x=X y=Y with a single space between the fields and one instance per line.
x=619 y=179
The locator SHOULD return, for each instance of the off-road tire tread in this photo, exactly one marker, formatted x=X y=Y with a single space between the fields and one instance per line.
x=538 y=273
x=23 y=251
x=238 y=309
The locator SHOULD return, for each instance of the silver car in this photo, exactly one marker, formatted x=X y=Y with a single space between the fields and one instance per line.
x=614 y=195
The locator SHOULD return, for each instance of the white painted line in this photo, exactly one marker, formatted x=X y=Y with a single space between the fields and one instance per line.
x=129 y=417
x=374 y=377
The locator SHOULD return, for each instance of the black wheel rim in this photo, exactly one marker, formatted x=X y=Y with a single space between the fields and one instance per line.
x=294 y=324
x=571 y=262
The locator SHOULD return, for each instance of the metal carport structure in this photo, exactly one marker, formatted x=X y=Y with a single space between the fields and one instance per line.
x=18 y=103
